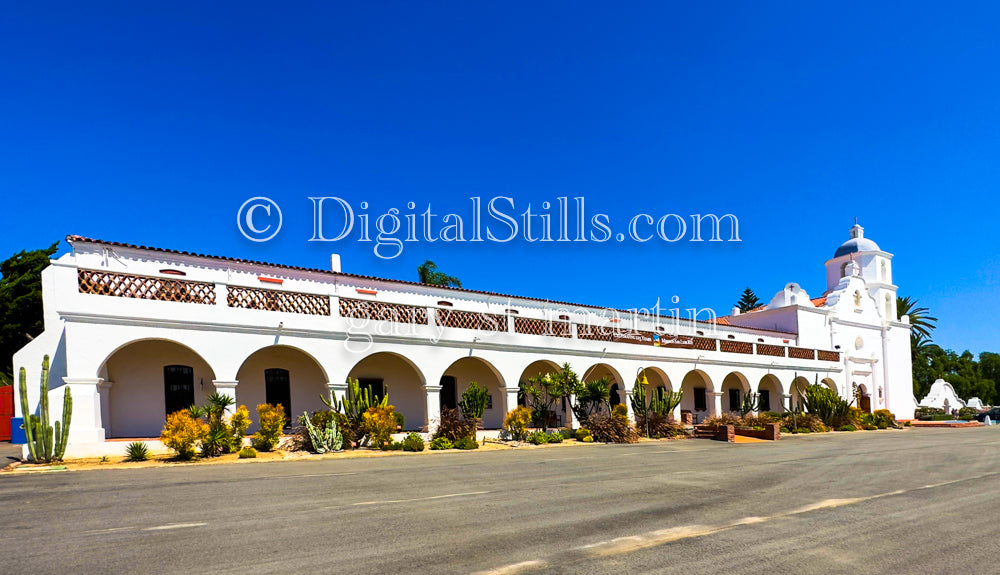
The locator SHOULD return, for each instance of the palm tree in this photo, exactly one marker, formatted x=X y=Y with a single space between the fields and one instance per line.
x=921 y=322
x=430 y=275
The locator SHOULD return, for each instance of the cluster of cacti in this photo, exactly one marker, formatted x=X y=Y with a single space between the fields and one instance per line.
x=323 y=440
x=751 y=403
x=45 y=442
x=357 y=401
x=639 y=406
x=665 y=402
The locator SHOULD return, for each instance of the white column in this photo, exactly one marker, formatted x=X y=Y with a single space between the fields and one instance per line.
x=628 y=404
x=676 y=414
x=336 y=391
x=571 y=421
x=433 y=414
x=228 y=389
x=786 y=402
x=104 y=390
x=85 y=425
x=716 y=403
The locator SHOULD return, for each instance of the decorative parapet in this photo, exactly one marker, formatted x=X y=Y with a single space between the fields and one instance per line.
x=275 y=300
x=772 y=350
x=471 y=320
x=377 y=310
x=532 y=326
x=145 y=287
x=824 y=355
x=731 y=346
x=801 y=353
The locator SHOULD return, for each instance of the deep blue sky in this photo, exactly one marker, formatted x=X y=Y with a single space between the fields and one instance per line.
x=152 y=125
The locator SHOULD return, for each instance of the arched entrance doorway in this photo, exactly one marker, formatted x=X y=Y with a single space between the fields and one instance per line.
x=734 y=388
x=697 y=388
x=542 y=367
x=281 y=374
x=148 y=379
x=864 y=399
x=459 y=375
x=770 y=394
x=603 y=370
x=400 y=378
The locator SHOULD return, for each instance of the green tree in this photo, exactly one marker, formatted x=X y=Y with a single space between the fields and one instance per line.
x=430 y=275
x=20 y=304
x=748 y=301
x=921 y=322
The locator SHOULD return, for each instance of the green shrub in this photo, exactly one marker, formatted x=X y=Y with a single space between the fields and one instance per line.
x=587 y=439
x=804 y=420
x=868 y=427
x=466 y=443
x=137 y=451
x=248 y=453
x=907 y=424
x=967 y=413
x=582 y=433
x=538 y=438
x=391 y=446
x=567 y=433
x=925 y=413
x=556 y=437
x=400 y=421
x=620 y=410
x=413 y=442
x=803 y=430
x=783 y=430
x=272 y=421
x=440 y=443
x=847 y=428
x=884 y=418
x=771 y=416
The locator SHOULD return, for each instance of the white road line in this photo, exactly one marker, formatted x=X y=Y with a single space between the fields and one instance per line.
x=514 y=568
x=310 y=475
x=450 y=495
x=174 y=526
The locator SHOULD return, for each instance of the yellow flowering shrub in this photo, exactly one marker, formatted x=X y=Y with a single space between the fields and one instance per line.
x=183 y=433
x=517 y=421
x=272 y=421
x=379 y=423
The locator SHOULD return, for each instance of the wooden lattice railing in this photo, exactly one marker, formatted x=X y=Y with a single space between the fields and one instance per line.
x=377 y=310
x=704 y=344
x=532 y=326
x=824 y=355
x=490 y=322
x=801 y=353
x=595 y=332
x=145 y=287
x=735 y=346
x=274 y=300
x=772 y=350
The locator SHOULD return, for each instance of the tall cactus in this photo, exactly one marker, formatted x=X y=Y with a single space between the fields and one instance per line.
x=44 y=443
x=357 y=401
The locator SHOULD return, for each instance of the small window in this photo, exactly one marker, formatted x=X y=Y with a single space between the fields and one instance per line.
x=734 y=400
x=278 y=390
x=700 y=400
x=447 y=304
x=731 y=336
x=178 y=388
x=513 y=312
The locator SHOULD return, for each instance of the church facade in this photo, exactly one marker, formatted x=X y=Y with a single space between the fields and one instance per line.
x=138 y=332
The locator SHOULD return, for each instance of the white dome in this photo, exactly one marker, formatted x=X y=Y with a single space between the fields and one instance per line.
x=857 y=243
x=791 y=295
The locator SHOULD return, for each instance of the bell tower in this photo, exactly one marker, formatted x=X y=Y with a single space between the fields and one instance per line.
x=862 y=257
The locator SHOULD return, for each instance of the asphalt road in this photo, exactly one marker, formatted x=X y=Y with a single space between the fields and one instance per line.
x=913 y=501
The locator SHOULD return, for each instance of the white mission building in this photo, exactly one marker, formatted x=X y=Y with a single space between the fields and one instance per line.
x=138 y=332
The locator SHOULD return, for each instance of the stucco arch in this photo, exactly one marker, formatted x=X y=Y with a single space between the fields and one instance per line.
x=471 y=368
x=775 y=396
x=599 y=370
x=307 y=381
x=694 y=381
x=797 y=390
x=403 y=381
x=734 y=387
x=133 y=403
